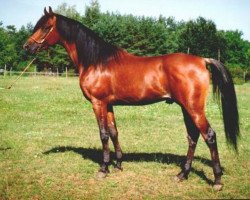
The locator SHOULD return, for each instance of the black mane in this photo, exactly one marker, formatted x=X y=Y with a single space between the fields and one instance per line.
x=91 y=49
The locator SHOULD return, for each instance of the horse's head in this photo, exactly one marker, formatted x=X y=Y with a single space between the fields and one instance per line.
x=44 y=33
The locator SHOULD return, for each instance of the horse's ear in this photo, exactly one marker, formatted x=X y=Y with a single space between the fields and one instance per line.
x=50 y=11
x=45 y=11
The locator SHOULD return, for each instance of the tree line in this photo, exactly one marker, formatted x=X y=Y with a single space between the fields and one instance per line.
x=140 y=35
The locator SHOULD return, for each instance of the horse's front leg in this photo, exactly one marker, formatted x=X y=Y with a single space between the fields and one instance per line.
x=114 y=137
x=100 y=109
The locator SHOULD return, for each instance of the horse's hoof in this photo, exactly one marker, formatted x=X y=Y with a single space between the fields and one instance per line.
x=101 y=175
x=217 y=187
x=178 y=179
x=118 y=169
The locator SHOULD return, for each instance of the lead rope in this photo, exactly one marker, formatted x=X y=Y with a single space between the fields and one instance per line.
x=25 y=69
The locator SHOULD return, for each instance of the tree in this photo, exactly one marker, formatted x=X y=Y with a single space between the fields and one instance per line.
x=236 y=49
x=200 y=36
x=68 y=11
x=92 y=14
x=8 y=52
x=21 y=36
x=138 y=35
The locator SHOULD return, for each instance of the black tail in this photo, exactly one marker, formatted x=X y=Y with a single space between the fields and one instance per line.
x=223 y=87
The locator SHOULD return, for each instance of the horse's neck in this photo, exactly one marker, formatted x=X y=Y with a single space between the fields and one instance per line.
x=71 y=49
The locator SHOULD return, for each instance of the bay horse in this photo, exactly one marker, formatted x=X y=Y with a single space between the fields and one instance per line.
x=110 y=76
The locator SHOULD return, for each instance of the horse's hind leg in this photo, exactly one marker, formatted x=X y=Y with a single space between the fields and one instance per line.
x=192 y=136
x=208 y=134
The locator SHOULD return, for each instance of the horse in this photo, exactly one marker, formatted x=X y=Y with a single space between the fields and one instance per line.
x=110 y=76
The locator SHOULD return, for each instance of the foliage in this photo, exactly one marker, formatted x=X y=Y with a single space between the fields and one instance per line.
x=237 y=50
x=69 y=11
x=238 y=74
x=200 y=37
x=138 y=35
x=92 y=14
x=144 y=36
x=8 y=54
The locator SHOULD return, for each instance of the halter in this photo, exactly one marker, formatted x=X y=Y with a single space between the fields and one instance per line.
x=41 y=42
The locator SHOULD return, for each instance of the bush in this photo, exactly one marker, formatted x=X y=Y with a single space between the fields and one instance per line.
x=247 y=76
x=238 y=75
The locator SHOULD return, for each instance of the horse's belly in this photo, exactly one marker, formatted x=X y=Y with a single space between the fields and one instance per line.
x=141 y=97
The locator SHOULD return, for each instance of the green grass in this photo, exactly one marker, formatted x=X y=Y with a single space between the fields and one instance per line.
x=50 y=147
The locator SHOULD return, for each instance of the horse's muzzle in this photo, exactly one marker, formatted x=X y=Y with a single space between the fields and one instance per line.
x=32 y=47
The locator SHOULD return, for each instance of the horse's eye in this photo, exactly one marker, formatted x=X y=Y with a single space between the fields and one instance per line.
x=47 y=28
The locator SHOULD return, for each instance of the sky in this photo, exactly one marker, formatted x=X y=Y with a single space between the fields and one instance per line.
x=227 y=14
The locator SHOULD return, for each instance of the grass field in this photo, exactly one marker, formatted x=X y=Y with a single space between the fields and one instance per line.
x=50 y=147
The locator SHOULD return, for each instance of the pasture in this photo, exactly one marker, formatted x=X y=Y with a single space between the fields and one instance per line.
x=50 y=147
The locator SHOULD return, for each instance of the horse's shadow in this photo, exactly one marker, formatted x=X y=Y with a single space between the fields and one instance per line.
x=96 y=156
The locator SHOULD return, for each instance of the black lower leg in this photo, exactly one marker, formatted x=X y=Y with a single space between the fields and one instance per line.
x=118 y=160
x=106 y=152
x=217 y=173
x=114 y=137
x=193 y=136
x=104 y=167
x=212 y=144
x=190 y=154
x=118 y=151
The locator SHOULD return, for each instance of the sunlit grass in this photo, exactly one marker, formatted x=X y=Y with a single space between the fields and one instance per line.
x=50 y=147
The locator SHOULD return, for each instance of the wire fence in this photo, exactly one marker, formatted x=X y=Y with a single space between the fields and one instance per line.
x=43 y=73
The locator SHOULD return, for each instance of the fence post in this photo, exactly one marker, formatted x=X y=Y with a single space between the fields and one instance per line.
x=66 y=72
x=10 y=70
x=218 y=54
x=57 y=72
x=188 y=50
x=35 y=70
x=5 y=70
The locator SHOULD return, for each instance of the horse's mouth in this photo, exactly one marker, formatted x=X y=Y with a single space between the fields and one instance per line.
x=35 y=47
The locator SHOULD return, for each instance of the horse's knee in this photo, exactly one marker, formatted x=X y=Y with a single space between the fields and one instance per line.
x=104 y=135
x=206 y=131
x=113 y=132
